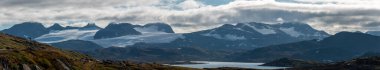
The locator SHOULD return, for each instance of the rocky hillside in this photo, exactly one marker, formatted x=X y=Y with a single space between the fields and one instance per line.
x=17 y=53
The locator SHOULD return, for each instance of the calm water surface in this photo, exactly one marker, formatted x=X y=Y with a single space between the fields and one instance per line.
x=213 y=64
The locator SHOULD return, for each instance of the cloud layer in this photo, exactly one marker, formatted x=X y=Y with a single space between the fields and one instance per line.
x=193 y=15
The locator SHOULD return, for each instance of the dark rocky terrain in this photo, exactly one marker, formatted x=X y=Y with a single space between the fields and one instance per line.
x=288 y=62
x=116 y=30
x=363 y=63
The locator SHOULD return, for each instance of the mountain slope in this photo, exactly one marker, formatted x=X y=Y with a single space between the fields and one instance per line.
x=18 y=53
x=77 y=45
x=29 y=29
x=377 y=33
x=56 y=26
x=116 y=30
x=154 y=27
x=341 y=46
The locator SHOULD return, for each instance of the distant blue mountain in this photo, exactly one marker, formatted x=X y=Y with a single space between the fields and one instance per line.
x=252 y=35
x=56 y=26
x=36 y=29
x=218 y=42
x=27 y=29
x=155 y=27
x=377 y=33
x=89 y=26
x=116 y=30
x=341 y=46
x=222 y=41
x=122 y=29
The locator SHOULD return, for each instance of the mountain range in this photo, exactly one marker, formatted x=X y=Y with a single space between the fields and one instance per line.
x=259 y=42
x=243 y=36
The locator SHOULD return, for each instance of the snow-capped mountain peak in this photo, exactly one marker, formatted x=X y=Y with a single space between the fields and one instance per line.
x=115 y=34
x=256 y=30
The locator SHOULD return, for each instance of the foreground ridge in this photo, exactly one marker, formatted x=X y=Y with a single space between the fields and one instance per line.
x=18 y=53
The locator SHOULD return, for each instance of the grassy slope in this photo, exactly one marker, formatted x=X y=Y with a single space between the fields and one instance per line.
x=17 y=52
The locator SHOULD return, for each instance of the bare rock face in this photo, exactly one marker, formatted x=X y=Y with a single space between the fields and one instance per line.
x=155 y=27
x=116 y=30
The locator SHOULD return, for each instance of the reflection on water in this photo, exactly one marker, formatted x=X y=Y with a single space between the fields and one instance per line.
x=212 y=64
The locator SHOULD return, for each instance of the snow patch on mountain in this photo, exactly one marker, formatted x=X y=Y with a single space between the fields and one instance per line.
x=225 y=37
x=234 y=37
x=88 y=35
x=213 y=35
x=290 y=31
x=265 y=31
x=132 y=39
x=64 y=35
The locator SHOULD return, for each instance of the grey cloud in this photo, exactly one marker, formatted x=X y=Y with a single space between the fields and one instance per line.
x=371 y=24
x=332 y=19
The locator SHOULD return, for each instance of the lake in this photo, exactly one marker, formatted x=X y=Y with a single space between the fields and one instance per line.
x=214 y=64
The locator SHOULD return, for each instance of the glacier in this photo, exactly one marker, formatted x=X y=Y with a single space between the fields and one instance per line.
x=87 y=35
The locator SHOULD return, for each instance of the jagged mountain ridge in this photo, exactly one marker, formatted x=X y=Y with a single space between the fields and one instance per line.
x=220 y=41
x=122 y=29
x=253 y=35
x=222 y=46
x=257 y=33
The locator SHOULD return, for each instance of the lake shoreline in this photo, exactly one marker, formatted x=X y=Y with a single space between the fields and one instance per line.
x=215 y=64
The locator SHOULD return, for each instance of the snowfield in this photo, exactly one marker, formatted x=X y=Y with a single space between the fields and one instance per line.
x=132 y=39
x=64 y=35
x=87 y=35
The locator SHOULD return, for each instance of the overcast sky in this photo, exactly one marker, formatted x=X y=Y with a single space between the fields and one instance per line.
x=192 y=15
